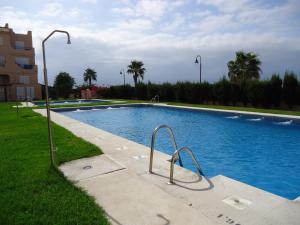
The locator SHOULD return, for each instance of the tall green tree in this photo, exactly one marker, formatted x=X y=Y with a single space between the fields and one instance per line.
x=246 y=66
x=137 y=70
x=289 y=90
x=63 y=84
x=89 y=75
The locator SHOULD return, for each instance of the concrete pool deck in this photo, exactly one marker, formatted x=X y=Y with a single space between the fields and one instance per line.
x=119 y=182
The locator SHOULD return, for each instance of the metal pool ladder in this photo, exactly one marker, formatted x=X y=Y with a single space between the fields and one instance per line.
x=176 y=154
x=153 y=144
x=155 y=98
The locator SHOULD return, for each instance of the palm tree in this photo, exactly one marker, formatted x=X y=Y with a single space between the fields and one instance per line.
x=89 y=75
x=137 y=70
x=246 y=66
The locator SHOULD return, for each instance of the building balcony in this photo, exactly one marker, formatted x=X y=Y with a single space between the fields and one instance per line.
x=23 y=51
x=26 y=66
x=15 y=68
x=23 y=48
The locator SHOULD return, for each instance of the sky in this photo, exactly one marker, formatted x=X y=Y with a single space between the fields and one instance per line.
x=166 y=35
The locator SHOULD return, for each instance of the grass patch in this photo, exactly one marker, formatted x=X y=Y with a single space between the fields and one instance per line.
x=31 y=192
x=240 y=108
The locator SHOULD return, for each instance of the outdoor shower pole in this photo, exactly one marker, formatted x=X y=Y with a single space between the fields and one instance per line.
x=51 y=146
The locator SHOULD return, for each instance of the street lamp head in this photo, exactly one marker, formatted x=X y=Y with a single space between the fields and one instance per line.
x=69 y=41
x=196 y=61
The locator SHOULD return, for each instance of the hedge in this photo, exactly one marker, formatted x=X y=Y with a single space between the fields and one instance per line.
x=265 y=93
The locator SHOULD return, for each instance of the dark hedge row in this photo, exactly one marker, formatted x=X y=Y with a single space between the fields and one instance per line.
x=267 y=93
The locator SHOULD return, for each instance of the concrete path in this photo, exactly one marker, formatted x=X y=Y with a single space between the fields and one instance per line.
x=121 y=185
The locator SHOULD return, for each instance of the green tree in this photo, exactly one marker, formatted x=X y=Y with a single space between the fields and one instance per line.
x=289 y=90
x=89 y=75
x=246 y=66
x=63 y=84
x=137 y=70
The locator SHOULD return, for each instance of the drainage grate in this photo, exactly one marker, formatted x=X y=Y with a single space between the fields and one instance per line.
x=237 y=202
x=87 y=167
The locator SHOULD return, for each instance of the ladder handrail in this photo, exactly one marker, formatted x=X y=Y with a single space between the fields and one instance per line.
x=176 y=155
x=155 y=98
x=153 y=143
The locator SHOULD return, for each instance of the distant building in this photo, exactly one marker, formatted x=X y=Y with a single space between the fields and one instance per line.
x=18 y=72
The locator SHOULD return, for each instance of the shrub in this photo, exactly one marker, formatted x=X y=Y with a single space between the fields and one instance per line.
x=289 y=90
x=180 y=94
x=275 y=90
x=103 y=92
x=222 y=91
x=259 y=93
x=254 y=92
x=235 y=93
x=121 y=91
x=152 y=90
x=298 y=93
x=141 y=91
x=243 y=92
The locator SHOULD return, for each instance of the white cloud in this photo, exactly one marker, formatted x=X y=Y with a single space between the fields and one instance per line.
x=227 y=5
x=176 y=23
x=145 y=34
x=202 y=13
x=127 y=11
x=153 y=9
x=90 y=1
x=56 y=9
x=52 y=9
x=212 y=24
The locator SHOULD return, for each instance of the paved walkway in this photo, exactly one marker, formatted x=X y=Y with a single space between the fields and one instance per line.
x=120 y=183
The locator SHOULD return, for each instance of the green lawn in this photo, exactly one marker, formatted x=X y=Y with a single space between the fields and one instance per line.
x=30 y=191
x=240 y=108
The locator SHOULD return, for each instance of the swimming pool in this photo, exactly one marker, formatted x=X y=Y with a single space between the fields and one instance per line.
x=260 y=151
x=70 y=102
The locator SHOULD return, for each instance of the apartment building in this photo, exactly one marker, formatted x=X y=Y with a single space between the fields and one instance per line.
x=18 y=72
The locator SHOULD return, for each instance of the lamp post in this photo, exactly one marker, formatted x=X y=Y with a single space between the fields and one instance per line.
x=51 y=147
x=122 y=71
x=196 y=61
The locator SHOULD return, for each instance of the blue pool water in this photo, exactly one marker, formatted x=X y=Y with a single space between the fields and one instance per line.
x=69 y=102
x=263 y=152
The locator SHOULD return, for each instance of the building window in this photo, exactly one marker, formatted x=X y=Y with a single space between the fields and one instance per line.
x=20 y=93
x=20 y=45
x=25 y=93
x=2 y=60
x=1 y=40
x=24 y=79
x=30 y=93
x=22 y=60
